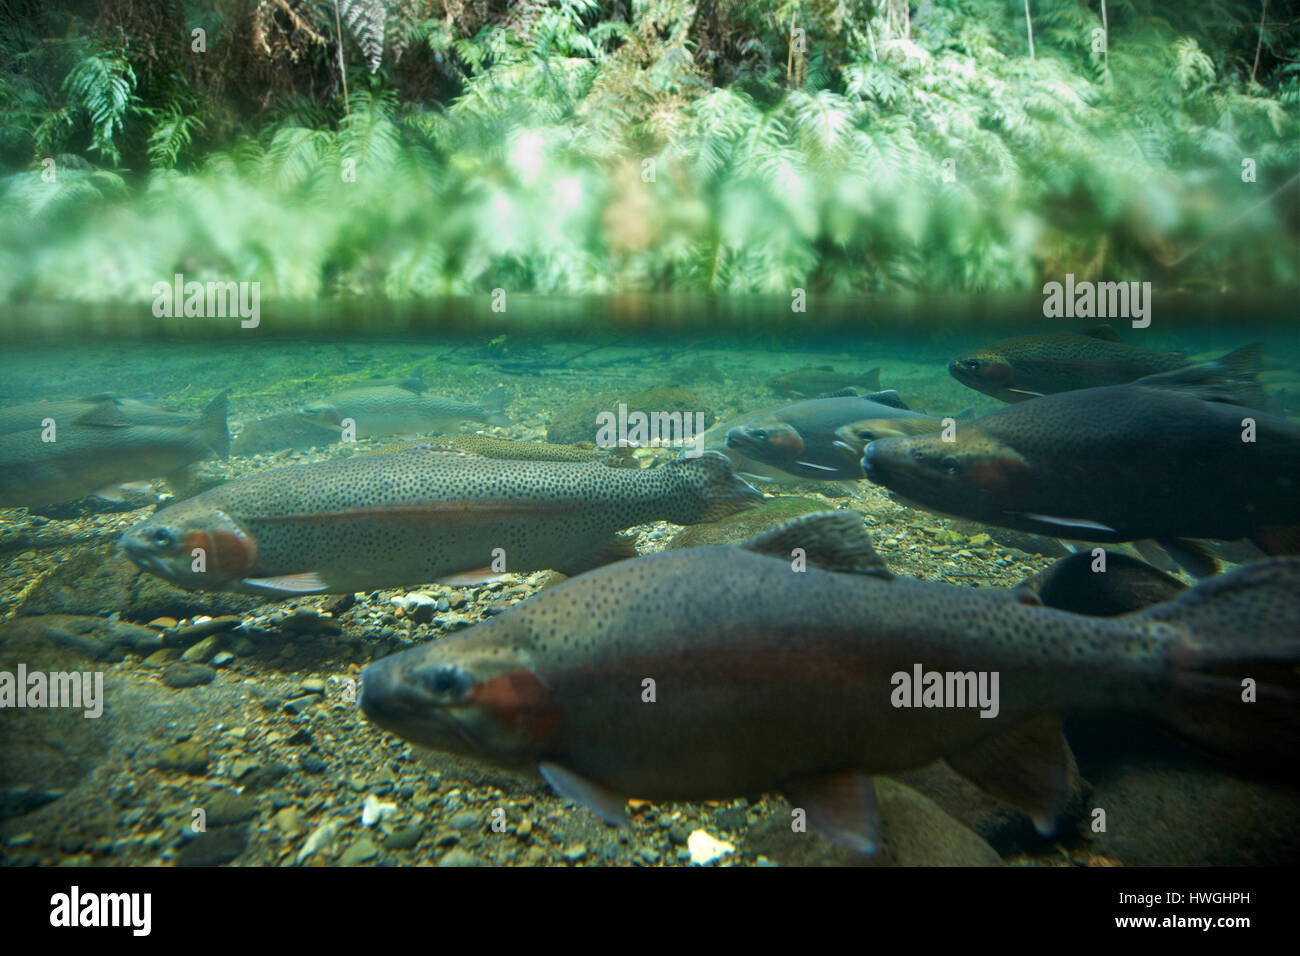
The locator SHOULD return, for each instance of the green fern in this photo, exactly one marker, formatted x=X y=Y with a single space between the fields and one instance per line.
x=102 y=86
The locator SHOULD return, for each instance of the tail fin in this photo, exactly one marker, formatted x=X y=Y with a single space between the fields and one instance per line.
x=712 y=489
x=212 y=424
x=1235 y=672
x=1230 y=378
x=494 y=407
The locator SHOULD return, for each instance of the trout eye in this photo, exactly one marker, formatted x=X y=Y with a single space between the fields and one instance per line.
x=759 y=434
x=448 y=681
x=162 y=538
x=972 y=365
x=950 y=466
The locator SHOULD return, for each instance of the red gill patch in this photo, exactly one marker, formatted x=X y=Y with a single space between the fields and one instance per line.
x=520 y=702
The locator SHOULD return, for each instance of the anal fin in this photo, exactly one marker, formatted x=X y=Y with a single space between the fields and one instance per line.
x=617 y=548
x=470 y=578
x=1199 y=561
x=842 y=806
x=1030 y=767
x=600 y=800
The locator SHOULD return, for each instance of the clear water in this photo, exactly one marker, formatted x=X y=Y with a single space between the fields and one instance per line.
x=273 y=762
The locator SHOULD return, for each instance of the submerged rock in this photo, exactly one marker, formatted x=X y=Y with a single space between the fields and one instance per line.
x=102 y=581
x=914 y=831
x=739 y=528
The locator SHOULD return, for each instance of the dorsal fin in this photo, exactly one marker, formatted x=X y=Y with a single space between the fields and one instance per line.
x=888 y=397
x=831 y=540
x=1103 y=332
x=106 y=414
x=848 y=391
x=1242 y=363
x=413 y=385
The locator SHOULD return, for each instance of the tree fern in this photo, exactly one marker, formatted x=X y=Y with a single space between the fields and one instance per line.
x=102 y=86
x=366 y=20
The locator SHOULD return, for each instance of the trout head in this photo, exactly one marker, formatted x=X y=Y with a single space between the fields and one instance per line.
x=321 y=413
x=194 y=545
x=773 y=443
x=975 y=476
x=464 y=695
x=985 y=372
x=854 y=437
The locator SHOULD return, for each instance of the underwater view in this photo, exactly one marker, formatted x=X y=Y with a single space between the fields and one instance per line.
x=649 y=434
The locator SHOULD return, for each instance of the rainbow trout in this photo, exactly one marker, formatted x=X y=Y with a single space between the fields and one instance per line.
x=1030 y=366
x=1172 y=457
x=614 y=685
x=421 y=515
x=99 y=442
x=403 y=408
x=812 y=382
x=801 y=439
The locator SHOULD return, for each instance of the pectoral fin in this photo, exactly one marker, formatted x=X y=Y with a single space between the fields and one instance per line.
x=1029 y=766
x=308 y=582
x=842 y=806
x=600 y=800
x=466 y=579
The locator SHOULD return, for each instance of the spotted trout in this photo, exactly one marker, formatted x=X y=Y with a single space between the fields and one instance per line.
x=614 y=685
x=801 y=439
x=1030 y=366
x=1171 y=457
x=61 y=451
x=812 y=382
x=421 y=515
x=403 y=408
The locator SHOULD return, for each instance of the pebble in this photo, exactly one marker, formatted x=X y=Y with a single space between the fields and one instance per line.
x=405 y=838
x=187 y=675
x=214 y=847
x=312 y=764
x=313 y=685
x=189 y=757
x=226 y=807
x=372 y=811
x=466 y=820
x=286 y=821
x=321 y=837
x=200 y=653
x=575 y=853
x=222 y=659
x=358 y=853
x=704 y=849
x=459 y=857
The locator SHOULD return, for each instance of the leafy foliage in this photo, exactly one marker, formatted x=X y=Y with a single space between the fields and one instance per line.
x=577 y=146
